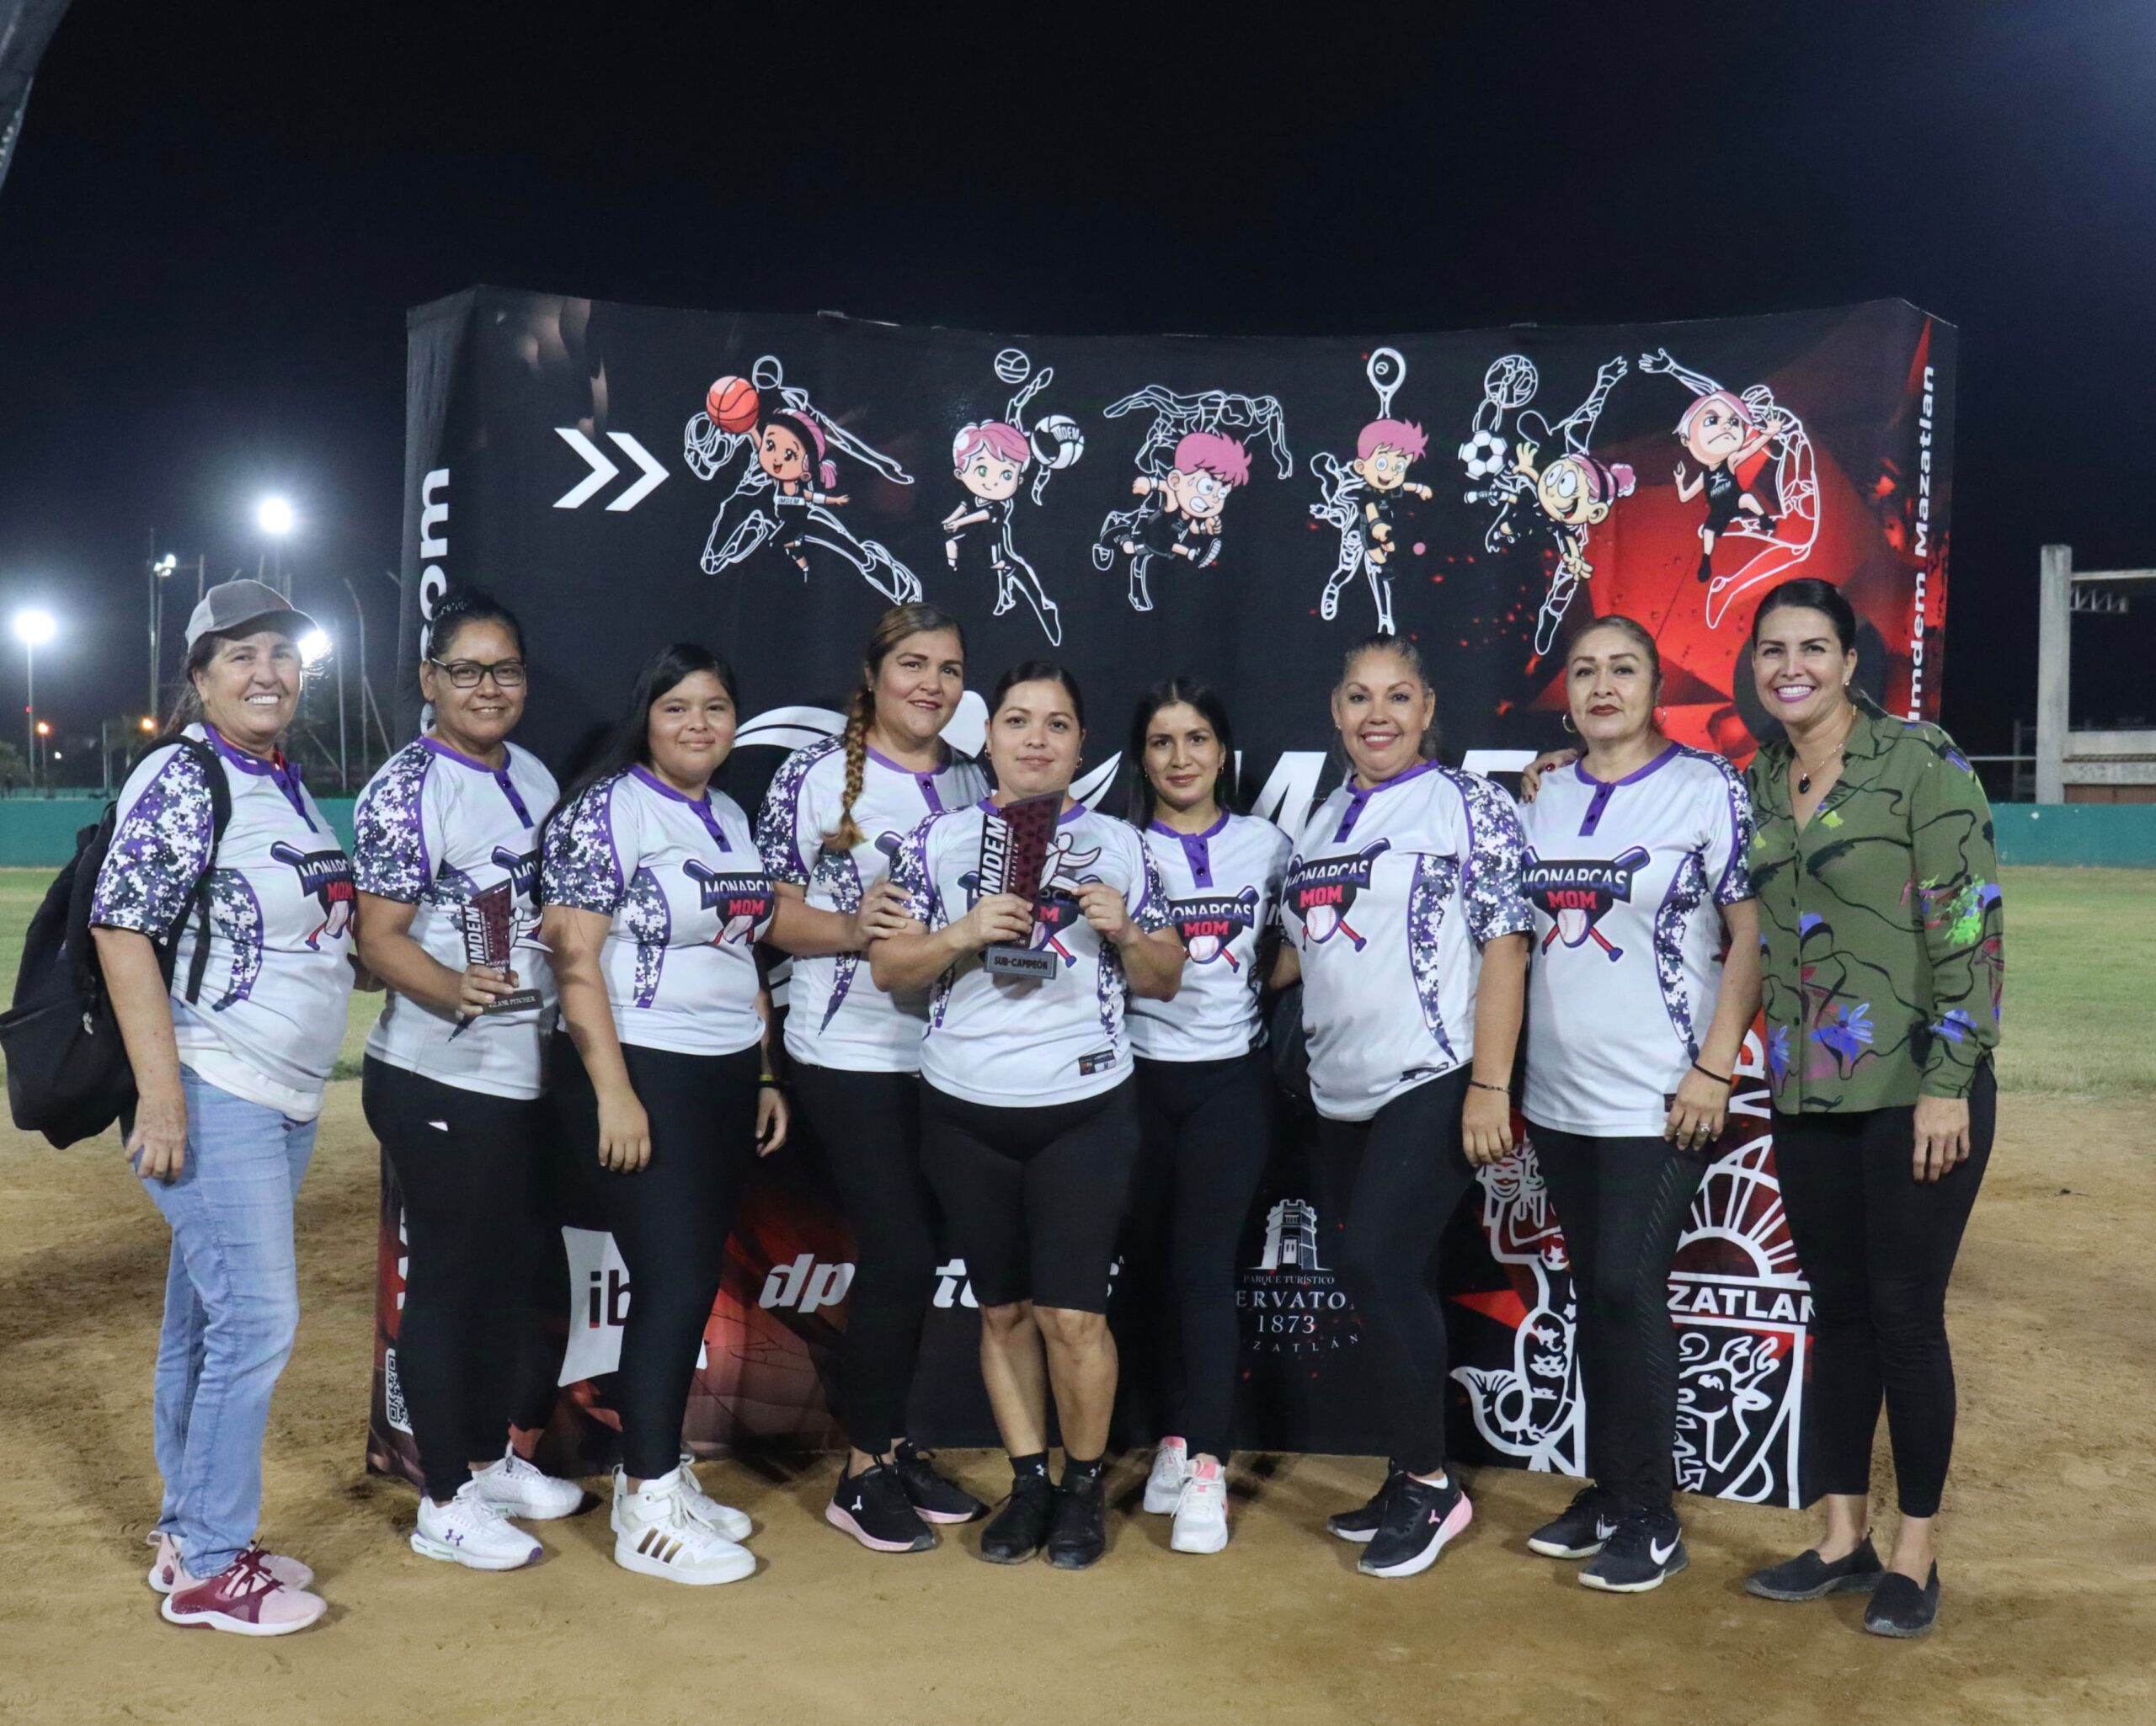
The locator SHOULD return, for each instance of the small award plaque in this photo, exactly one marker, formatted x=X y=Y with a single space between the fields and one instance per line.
x=1014 y=845
x=489 y=938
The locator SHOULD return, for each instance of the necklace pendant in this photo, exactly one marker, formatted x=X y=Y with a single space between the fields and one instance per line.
x=1803 y=783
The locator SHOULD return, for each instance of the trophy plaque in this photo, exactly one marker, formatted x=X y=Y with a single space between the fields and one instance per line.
x=490 y=937
x=1014 y=846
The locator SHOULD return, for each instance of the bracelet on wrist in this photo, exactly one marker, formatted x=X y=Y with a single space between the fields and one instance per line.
x=1717 y=1078
x=765 y=1079
x=1502 y=1090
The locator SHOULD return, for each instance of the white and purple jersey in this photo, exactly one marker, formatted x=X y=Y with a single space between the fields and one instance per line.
x=1627 y=878
x=689 y=900
x=1223 y=887
x=434 y=830
x=1390 y=896
x=271 y=1014
x=1014 y=1043
x=835 y=1016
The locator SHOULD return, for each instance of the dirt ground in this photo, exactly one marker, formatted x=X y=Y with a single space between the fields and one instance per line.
x=2049 y=1535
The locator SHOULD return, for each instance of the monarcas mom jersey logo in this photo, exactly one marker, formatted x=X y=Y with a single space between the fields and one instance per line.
x=328 y=876
x=1210 y=923
x=1321 y=894
x=742 y=901
x=1576 y=893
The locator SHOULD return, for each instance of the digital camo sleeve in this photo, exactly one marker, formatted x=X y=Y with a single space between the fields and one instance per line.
x=390 y=855
x=583 y=867
x=780 y=841
x=1729 y=827
x=1490 y=884
x=161 y=846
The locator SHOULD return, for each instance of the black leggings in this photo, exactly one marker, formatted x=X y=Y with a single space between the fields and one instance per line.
x=1623 y=1203
x=1035 y=1195
x=869 y=1126
x=1395 y=1181
x=1204 y=1128
x=472 y=1355
x=670 y=1221
x=1878 y=1246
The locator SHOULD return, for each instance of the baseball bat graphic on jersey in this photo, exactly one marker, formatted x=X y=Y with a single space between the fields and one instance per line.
x=327 y=874
x=743 y=901
x=1209 y=924
x=1321 y=893
x=1576 y=894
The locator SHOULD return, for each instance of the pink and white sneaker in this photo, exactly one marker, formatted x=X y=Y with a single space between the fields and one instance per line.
x=244 y=1599
x=164 y=1566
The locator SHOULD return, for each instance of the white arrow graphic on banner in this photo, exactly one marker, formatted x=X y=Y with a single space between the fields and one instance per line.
x=603 y=468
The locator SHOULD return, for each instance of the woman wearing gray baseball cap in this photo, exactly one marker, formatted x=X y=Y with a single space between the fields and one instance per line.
x=223 y=922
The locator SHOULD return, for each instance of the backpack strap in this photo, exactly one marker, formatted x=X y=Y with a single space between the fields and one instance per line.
x=197 y=897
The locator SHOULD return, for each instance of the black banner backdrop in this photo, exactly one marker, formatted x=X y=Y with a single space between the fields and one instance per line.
x=1240 y=510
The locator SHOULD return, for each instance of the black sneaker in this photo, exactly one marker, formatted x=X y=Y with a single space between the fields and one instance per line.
x=1644 y=1552
x=1418 y=1521
x=1583 y=1530
x=1899 y=1607
x=935 y=1497
x=1359 y=1525
x=873 y=1508
x=1020 y=1528
x=1809 y=1577
x=1078 y=1531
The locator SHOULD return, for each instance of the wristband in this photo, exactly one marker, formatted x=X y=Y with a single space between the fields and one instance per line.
x=1501 y=1090
x=765 y=1079
x=1717 y=1077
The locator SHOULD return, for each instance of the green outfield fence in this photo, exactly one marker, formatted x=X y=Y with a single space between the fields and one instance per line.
x=39 y=832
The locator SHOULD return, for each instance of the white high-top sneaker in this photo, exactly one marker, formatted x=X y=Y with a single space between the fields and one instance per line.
x=659 y=1531
x=469 y=1530
x=733 y=1525
x=515 y=1487
x=1171 y=1469
x=1201 y=1524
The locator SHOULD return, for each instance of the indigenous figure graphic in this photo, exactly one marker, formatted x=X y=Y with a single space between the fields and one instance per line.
x=990 y=459
x=1361 y=497
x=1753 y=459
x=1192 y=457
x=1565 y=495
x=787 y=490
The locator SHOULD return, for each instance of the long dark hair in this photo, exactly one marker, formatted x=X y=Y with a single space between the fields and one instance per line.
x=629 y=743
x=1138 y=797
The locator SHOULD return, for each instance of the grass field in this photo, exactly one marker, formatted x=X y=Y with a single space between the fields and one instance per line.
x=2081 y=978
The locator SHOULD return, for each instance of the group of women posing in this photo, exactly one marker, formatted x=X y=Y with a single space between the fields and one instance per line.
x=1629 y=914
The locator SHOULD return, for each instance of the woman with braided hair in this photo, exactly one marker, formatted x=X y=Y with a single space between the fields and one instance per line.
x=831 y=826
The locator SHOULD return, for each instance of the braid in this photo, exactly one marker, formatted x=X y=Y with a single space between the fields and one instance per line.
x=862 y=708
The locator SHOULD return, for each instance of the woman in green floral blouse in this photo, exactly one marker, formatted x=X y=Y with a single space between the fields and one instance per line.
x=1882 y=937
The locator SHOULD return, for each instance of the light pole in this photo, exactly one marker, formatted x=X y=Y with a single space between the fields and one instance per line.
x=159 y=569
x=275 y=518
x=313 y=645
x=33 y=629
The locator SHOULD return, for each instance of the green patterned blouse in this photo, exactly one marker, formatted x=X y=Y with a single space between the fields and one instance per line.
x=1881 y=933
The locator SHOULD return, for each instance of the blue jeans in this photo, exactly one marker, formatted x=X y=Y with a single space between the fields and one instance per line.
x=231 y=1306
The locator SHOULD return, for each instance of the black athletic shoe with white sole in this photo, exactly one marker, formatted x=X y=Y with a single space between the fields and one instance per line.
x=1419 y=1519
x=1809 y=1577
x=1020 y=1528
x=1898 y=1608
x=1582 y=1529
x=873 y=1508
x=935 y=1495
x=1644 y=1552
x=1360 y=1524
x=1077 y=1530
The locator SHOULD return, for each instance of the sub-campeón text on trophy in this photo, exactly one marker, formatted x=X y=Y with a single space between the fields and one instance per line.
x=1014 y=845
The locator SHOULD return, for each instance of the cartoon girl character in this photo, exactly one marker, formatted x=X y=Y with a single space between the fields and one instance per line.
x=1755 y=463
x=989 y=460
x=789 y=491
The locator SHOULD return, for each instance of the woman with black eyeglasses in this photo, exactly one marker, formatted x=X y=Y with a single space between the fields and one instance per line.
x=455 y=1072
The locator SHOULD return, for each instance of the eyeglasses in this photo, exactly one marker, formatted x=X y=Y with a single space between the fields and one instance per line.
x=465 y=673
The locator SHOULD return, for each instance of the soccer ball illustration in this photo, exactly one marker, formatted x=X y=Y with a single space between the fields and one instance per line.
x=1058 y=442
x=1484 y=456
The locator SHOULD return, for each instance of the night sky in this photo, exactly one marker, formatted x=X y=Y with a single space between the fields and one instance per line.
x=216 y=218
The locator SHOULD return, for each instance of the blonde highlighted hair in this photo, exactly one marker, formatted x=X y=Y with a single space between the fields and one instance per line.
x=893 y=626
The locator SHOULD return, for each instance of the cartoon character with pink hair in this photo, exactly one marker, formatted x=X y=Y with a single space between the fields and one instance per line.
x=1755 y=466
x=789 y=491
x=1573 y=490
x=1362 y=496
x=1190 y=461
x=990 y=459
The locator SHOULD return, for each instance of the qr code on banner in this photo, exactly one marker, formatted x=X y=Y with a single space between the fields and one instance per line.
x=393 y=1394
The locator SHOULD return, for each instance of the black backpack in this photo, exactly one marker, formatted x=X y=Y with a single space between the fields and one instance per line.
x=68 y=1077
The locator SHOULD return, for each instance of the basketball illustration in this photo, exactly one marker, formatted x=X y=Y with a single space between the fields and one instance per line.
x=731 y=402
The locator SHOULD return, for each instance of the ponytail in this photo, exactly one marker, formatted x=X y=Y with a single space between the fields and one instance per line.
x=859 y=712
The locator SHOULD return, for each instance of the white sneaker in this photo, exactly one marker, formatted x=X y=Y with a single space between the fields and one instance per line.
x=469 y=1530
x=1201 y=1523
x=735 y=1524
x=515 y=1487
x=1171 y=1469
x=659 y=1531
x=165 y=1566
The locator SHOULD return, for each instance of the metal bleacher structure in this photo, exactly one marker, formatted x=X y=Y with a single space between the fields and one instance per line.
x=2084 y=766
